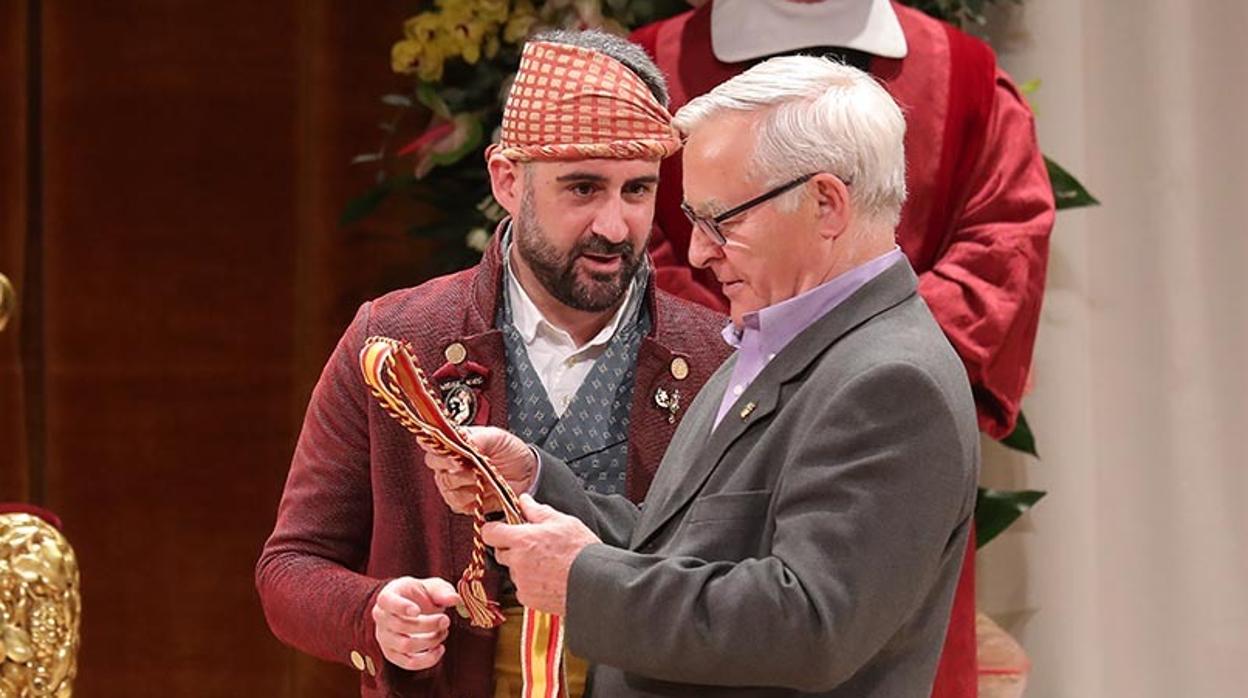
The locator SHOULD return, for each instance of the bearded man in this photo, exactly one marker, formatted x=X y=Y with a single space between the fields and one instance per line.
x=558 y=334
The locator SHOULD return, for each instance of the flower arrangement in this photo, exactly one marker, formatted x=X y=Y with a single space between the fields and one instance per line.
x=462 y=55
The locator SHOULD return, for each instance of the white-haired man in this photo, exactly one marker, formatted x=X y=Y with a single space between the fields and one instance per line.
x=805 y=530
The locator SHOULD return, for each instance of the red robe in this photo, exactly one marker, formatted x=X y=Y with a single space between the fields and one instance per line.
x=360 y=508
x=975 y=224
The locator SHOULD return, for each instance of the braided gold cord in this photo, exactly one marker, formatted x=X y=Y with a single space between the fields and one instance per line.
x=389 y=391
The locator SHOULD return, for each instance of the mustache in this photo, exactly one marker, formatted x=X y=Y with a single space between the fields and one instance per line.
x=599 y=245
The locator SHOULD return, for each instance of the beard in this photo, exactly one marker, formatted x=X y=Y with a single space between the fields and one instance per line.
x=557 y=271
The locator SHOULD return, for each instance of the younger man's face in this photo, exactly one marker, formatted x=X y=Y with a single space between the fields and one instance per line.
x=583 y=225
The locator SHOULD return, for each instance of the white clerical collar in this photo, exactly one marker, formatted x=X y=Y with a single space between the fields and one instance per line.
x=743 y=30
x=527 y=318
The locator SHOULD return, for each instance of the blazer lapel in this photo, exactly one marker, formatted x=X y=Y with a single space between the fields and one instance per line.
x=682 y=456
x=695 y=454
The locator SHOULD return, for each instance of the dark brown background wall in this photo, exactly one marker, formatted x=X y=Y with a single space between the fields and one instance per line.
x=171 y=173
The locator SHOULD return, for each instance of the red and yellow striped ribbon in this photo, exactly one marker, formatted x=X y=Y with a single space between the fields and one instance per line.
x=391 y=371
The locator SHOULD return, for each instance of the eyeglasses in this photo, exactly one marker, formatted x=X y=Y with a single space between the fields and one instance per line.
x=711 y=226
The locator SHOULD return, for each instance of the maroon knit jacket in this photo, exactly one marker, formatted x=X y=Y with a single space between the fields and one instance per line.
x=360 y=508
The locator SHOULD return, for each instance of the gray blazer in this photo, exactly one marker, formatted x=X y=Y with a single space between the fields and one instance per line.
x=811 y=543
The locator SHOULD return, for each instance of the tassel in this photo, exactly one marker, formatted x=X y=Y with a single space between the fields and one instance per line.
x=482 y=611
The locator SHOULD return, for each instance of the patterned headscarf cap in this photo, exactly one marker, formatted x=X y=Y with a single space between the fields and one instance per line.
x=572 y=103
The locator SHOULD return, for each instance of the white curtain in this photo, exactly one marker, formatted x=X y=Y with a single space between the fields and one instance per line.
x=1131 y=577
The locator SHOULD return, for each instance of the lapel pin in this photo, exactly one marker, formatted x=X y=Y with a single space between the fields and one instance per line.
x=679 y=368
x=749 y=408
x=668 y=401
x=456 y=353
x=460 y=402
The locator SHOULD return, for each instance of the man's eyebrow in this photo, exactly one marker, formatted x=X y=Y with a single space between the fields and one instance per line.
x=600 y=179
x=581 y=177
x=709 y=208
x=647 y=179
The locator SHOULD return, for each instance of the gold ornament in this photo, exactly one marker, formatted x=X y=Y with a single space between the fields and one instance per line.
x=40 y=609
x=456 y=353
x=679 y=368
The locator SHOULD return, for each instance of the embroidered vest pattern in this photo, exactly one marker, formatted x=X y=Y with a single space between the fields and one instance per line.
x=592 y=434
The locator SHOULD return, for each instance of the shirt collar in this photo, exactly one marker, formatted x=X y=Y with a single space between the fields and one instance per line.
x=776 y=325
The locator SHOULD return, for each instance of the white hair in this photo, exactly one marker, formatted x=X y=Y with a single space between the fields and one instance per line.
x=817 y=115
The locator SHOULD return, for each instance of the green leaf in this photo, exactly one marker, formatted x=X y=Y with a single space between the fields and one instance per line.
x=995 y=510
x=472 y=135
x=359 y=207
x=1067 y=191
x=1021 y=439
x=428 y=96
x=396 y=100
x=1030 y=86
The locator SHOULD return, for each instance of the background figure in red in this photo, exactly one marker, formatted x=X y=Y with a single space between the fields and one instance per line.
x=975 y=225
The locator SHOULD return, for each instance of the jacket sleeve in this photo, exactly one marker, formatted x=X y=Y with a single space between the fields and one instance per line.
x=987 y=286
x=309 y=575
x=863 y=523
x=611 y=517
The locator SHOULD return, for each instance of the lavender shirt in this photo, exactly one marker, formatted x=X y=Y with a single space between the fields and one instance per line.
x=766 y=332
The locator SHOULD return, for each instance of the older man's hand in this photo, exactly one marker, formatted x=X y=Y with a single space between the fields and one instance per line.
x=539 y=554
x=411 y=621
x=510 y=456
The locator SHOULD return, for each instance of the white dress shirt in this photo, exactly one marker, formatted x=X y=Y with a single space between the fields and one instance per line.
x=560 y=363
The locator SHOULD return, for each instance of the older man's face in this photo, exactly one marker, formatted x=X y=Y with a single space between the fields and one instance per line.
x=583 y=225
x=769 y=252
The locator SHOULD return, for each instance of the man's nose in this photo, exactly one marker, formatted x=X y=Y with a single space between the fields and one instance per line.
x=610 y=221
x=702 y=249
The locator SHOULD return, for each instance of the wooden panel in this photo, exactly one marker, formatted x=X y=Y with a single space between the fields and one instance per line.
x=14 y=484
x=169 y=235
x=195 y=159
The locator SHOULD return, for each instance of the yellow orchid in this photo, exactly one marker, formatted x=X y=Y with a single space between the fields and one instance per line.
x=403 y=55
x=523 y=17
x=423 y=27
x=493 y=11
x=430 y=67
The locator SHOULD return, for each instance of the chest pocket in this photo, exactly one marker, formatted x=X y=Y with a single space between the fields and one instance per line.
x=731 y=526
x=729 y=506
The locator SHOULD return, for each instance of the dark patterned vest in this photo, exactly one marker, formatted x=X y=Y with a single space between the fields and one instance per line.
x=592 y=434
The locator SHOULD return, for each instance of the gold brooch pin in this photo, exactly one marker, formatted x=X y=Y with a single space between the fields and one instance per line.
x=679 y=368
x=456 y=353
x=668 y=401
x=749 y=408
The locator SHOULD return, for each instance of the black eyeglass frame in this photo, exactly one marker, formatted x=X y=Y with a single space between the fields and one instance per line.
x=710 y=226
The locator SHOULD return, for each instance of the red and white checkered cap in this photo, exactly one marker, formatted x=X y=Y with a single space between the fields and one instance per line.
x=571 y=103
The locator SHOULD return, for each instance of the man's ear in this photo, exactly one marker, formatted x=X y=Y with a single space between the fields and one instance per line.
x=832 y=200
x=505 y=182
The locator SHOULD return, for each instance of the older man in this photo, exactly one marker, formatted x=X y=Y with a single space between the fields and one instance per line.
x=805 y=530
x=558 y=334
x=978 y=209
